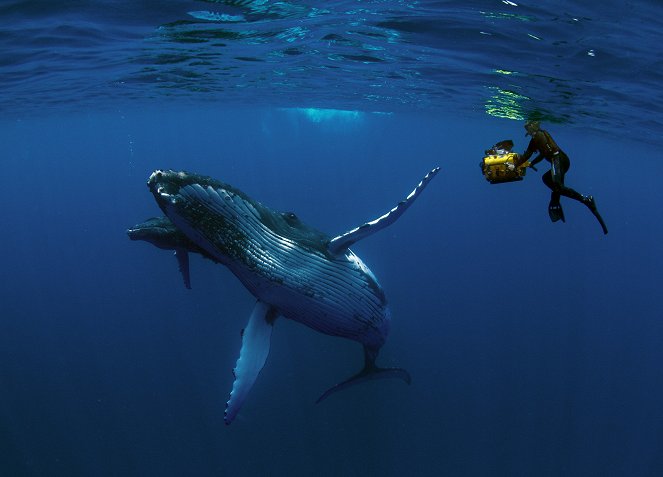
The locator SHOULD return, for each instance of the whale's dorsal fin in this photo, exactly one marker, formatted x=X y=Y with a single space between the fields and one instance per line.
x=341 y=243
x=252 y=356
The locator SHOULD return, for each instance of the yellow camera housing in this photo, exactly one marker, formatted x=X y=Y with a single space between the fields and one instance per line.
x=498 y=168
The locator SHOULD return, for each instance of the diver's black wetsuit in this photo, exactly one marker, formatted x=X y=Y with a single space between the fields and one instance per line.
x=548 y=149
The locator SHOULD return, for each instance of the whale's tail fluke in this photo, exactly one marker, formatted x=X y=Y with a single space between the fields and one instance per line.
x=369 y=373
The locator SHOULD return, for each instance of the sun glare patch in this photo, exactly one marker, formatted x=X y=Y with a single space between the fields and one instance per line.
x=505 y=104
x=317 y=115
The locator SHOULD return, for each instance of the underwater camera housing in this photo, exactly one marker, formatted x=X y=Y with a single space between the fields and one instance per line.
x=499 y=164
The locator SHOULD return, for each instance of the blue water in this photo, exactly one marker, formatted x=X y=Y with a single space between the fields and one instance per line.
x=535 y=347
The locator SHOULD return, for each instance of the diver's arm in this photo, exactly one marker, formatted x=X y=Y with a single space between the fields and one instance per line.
x=531 y=148
x=536 y=160
x=522 y=159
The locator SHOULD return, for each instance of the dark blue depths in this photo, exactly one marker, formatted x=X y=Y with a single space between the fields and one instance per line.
x=535 y=348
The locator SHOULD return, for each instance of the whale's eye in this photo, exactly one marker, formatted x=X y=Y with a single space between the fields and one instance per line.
x=290 y=217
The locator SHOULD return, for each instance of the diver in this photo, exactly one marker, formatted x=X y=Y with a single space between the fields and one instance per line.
x=548 y=149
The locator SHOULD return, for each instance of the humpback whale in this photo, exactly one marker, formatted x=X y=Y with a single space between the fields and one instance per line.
x=293 y=270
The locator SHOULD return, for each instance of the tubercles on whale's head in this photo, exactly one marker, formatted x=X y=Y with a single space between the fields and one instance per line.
x=165 y=185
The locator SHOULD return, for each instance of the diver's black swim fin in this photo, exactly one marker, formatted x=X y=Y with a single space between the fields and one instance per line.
x=555 y=212
x=591 y=205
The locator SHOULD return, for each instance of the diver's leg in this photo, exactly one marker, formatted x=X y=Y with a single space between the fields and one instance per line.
x=588 y=200
x=571 y=194
x=561 y=165
x=554 y=207
x=557 y=172
x=591 y=205
x=547 y=180
x=555 y=210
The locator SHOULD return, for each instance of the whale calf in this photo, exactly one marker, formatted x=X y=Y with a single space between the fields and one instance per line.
x=160 y=232
x=293 y=270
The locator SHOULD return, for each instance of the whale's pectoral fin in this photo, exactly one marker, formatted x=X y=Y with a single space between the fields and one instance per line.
x=341 y=243
x=370 y=372
x=255 y=348
x=182 y=257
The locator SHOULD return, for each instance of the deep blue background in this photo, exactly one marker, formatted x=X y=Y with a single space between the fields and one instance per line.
x=535 y=348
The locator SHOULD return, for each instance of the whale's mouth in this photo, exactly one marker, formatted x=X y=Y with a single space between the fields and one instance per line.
x=164 y=185
x=199 y=200
x=171 y=187
x=150 y=229
x=140 y=232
